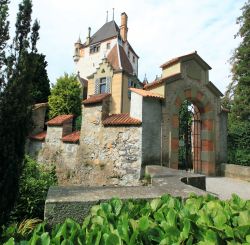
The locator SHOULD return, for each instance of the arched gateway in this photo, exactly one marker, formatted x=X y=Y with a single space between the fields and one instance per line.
x=186 y=78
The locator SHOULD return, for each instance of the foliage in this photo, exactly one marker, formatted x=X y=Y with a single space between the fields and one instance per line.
x=4 y=35
x=240 y=70
x=34 y=183
x=20 y=231
x=15 y=122
x=237 y=97
x=185 y=122
x=65 y=97
x=40 y=81
x=21 y=68
x=166 y=220
x=239 y=142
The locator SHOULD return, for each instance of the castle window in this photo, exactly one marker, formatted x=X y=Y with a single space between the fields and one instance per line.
x=108 y=45
x=134 y=59
x=94 y=49
x=103 y=85
x=128 y=54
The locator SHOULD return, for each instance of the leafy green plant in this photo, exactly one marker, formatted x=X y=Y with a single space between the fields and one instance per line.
x=165 y=220
x=35 y=181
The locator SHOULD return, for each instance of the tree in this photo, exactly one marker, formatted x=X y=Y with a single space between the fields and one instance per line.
x=238 y=94
x=4 y=35
x=65 y=97
x=40 y=81
x=24 y=67
x=241 y=67
x=15 y=122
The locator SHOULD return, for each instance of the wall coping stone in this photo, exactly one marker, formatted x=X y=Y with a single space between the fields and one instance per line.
x=235 y=171
x=75 y=201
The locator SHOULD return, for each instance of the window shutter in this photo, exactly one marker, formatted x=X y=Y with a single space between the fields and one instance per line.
x=108 y=84
x=97 y=86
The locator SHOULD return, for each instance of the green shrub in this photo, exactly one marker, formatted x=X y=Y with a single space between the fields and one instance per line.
x=166 y=220
x=33 y=187
x=239 y=142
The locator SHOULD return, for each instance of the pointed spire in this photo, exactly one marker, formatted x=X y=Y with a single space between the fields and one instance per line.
x=113 y=13
x=107 y=17
x=79 y=40
x=145 y=80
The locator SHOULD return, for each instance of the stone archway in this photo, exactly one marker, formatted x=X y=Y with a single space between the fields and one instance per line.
x=200 y=100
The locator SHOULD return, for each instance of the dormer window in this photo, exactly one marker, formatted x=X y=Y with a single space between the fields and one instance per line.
x=94 y=49
x=133 y=59
x=108 y=45
x=128 y=54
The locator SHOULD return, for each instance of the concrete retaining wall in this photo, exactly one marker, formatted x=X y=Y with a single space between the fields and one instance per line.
x=235 y=171
x=75 y=201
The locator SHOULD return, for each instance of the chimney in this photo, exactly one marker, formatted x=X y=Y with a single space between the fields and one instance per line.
x=124 y=26
x=88 y=37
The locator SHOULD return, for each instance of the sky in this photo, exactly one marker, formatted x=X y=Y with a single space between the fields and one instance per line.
x=158 y=31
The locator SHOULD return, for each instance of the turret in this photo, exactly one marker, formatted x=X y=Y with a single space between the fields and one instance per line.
x=78 y=46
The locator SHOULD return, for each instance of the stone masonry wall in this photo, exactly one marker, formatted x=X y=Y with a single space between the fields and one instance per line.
x=108 y=155
x=104 y=155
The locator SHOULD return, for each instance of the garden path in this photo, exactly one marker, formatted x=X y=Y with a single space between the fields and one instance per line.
x=224 y=187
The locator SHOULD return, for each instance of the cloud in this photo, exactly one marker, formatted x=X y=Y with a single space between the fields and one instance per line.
x=158 y=31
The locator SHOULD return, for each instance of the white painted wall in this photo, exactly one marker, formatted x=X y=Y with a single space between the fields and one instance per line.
x=136 y=106
x=88 y=64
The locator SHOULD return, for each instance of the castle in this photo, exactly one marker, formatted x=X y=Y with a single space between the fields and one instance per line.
x=107 y=63
x=127 y=124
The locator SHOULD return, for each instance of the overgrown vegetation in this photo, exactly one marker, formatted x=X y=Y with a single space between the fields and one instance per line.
x=65 y=97
x=237 y=97
x=165 y=220
x=21 y=70
x=35 y=181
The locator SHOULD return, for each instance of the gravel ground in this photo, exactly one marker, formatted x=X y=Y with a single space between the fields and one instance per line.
x=224 y=187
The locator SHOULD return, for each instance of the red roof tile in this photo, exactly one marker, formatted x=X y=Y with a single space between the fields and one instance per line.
x=186 y=56
x=146 y=93
x=59 y=120
x=160 y=81
x=73 y=137
x=40 y=136
x=121 y=119
x=97 y=98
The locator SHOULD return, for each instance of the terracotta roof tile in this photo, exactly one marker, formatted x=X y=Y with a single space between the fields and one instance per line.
x=73 y=137
x=40 y=136
x=160 y=81
x=59 y=120
x=176 y=59
x=120 y=119
x=146 y=93
x=97 y=98
x=186 y=56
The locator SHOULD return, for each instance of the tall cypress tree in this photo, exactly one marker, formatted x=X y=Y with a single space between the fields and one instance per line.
x=4 y=36
x=15 y=113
